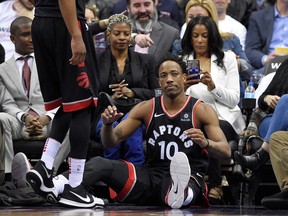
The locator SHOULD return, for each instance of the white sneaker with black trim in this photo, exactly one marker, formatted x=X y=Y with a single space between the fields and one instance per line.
x=40 y=179
x=80 y=198
x=180 y=173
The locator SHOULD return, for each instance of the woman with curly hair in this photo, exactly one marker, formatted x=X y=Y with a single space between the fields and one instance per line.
x=128 y=77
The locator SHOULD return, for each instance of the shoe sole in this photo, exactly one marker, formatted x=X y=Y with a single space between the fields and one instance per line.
x=180 y=174
x=278 y=201
x=36 y=182
x=275 y=206
x=98 y=203
x=20 y=166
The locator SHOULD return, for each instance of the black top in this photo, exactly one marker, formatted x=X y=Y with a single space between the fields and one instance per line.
x=50 y=8
x=165 y=136
x=139 y=73
x=116 y=78
x=278 y=86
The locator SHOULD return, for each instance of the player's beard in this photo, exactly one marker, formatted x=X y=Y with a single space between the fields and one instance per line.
x=144 y=27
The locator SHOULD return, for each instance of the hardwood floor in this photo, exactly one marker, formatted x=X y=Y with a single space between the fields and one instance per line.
x=129 y=210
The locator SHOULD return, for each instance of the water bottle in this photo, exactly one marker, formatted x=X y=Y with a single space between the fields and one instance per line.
x=250 y=91
x=256 y=78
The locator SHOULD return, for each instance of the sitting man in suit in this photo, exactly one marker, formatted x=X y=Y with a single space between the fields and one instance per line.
x=9 y=11
x=168 y=10
x=151 y=36
x=241 y=10
x=266 y=35
x=21 y=100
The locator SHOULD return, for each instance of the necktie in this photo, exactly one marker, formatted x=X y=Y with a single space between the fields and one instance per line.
x=26 y=77
x=26 y=74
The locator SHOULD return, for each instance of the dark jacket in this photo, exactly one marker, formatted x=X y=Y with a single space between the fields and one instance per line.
x=143 y=74
x=241 y=10
x=259 y=35
x=278 y=86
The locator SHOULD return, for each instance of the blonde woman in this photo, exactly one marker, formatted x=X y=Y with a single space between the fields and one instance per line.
x=231 y=41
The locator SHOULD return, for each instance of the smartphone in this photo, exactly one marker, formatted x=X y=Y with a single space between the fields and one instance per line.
x=193 y=67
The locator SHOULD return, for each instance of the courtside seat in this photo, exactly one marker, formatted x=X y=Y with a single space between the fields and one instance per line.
x=231 y=185
x=262 y=182
x=32 y=148
x=274 y=64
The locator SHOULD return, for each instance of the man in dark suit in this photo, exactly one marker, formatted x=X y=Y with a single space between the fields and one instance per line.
x=241 y=10
x=151 y=35
x=168 y=10
x=23 y=108
x=266 y=32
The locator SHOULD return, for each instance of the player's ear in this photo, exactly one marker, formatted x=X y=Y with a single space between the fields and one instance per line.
x=159 y=83
x=184 y=76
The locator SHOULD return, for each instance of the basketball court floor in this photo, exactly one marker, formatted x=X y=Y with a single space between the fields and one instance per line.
x=130 y=210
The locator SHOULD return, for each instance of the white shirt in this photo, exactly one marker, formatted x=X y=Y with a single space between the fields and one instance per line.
x=20 y=63
x=10 y=10
x=233 y=26
x=226 y=95
x=7 y=15
x=138 y=49
x=264 y=83
x=183 y=29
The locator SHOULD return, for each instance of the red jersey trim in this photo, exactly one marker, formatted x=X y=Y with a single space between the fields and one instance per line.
x=179 y=111
x=151 y=113
x=95 y=100
x=194 y=120
x=77 y=105
x=128 y=186
x=52 y=105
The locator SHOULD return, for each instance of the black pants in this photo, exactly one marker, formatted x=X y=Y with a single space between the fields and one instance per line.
x=136 y=184
x=214 y=169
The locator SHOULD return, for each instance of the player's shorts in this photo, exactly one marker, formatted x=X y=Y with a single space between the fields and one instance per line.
x=152 y=187
x=137 y=184
x=73 y=86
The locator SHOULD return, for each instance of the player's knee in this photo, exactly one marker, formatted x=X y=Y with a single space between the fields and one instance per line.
x=100 y=164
